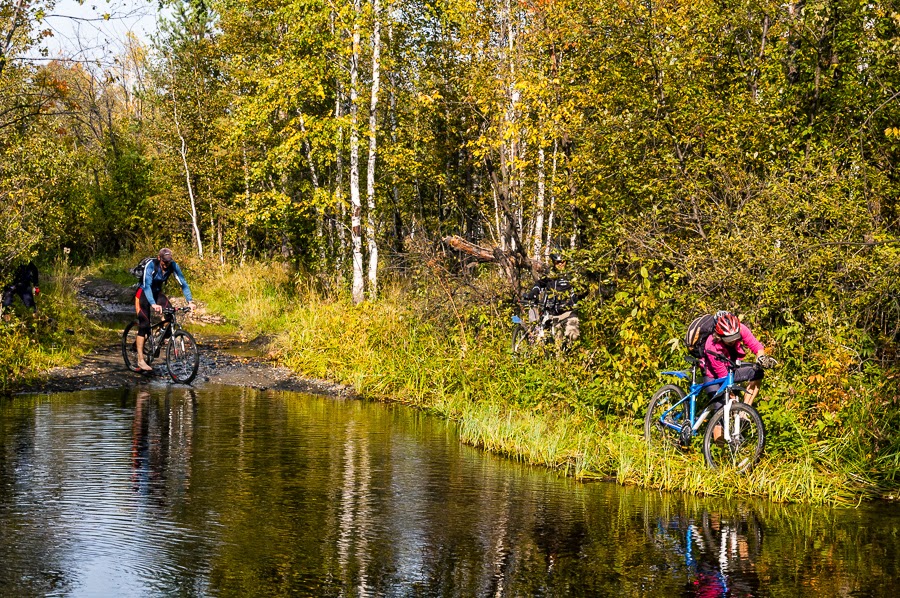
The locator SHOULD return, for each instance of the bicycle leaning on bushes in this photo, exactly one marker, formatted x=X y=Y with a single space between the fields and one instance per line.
x=672 y=419
x=182 y=353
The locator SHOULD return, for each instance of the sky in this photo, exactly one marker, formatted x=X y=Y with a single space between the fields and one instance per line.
x=80 y=31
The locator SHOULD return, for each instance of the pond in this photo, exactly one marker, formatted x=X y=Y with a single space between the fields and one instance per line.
x=227 y=491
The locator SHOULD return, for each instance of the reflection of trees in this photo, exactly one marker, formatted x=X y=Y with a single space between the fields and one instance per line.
x=30 y=543
x=259 y=494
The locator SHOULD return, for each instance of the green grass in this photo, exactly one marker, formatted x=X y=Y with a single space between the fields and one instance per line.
x=531 y=411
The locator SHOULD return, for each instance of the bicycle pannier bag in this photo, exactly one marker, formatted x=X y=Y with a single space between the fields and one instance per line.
x=697 y=333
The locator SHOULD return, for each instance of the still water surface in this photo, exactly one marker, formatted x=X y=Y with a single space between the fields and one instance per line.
x=223 y=491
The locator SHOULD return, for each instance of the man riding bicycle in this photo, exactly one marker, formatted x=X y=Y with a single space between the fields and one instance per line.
x=149 y=296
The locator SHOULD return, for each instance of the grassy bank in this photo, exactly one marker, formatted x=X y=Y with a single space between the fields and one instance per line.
x=539 y=411
x=57 y=335
x=581 y=414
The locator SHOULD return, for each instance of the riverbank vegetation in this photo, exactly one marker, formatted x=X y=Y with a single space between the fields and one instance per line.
x=581 y=412
x=378 y=181
x=58 y=334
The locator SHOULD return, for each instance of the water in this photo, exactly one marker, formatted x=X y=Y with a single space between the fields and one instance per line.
x=222 y=491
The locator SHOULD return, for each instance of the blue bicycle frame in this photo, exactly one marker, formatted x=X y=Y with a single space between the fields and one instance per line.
x=695 y=389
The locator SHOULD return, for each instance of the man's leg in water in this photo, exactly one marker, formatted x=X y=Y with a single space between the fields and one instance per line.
x=140 y=338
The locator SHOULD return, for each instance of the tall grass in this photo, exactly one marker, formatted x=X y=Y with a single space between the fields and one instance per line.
x=529 y=410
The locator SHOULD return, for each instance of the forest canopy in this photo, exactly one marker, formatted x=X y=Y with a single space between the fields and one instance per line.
x=743 y=151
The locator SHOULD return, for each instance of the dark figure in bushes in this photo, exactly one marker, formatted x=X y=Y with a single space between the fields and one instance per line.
x=560 y=298
x=24 y=285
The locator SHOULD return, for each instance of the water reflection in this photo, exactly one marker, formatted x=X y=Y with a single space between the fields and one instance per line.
x=162 y=435
x=225 y=491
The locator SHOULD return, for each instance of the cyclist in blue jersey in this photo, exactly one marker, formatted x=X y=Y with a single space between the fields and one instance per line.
x=149 y=297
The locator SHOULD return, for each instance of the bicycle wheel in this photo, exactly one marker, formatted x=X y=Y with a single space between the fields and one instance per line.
x=748 y=436
x=656 y=432
x=519 y=339
x=182 y=357
x=129 y=348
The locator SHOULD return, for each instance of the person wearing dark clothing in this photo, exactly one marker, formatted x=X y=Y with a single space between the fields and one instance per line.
x=559 y=298
x=149 y=296
x=24 y=285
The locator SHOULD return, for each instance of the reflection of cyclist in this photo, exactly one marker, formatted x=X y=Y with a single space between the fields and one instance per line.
x=24 y=285
x=150 y=296
x=725 y=563
x=561 y=298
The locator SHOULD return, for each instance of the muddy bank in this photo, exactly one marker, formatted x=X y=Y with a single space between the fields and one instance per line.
x=223 y=359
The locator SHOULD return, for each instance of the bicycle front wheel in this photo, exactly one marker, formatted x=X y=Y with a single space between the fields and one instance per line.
x=182 y=357
x=663 y=423
x=519 y=339
x=745 y=447
x=129 y=347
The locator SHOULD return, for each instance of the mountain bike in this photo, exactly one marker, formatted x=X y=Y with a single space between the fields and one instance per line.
x=542 y=325
x=672 y=419
x=182 y=353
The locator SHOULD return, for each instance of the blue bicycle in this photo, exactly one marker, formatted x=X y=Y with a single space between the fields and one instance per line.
x=734 y=436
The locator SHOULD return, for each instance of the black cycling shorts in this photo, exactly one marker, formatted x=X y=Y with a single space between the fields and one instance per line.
x=746 y=372
x=144 y=313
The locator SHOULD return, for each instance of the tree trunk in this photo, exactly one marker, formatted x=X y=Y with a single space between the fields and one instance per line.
x=539 y=209
x=552 y=206
x=187 y=173
x=357 y=290
x=370 y=171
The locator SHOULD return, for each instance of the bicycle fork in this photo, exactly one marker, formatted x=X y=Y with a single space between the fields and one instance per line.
x=727 y=419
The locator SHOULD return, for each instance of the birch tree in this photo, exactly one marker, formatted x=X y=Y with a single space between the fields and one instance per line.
x=358 y=288
x=373 y=136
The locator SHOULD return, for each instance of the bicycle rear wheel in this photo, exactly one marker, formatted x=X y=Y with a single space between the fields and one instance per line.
x=182 y=357
x=661 y=416
x=129 y=347
x=748 y=437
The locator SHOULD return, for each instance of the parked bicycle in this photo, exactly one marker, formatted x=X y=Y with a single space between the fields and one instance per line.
x=182 y=353
x=672 y=418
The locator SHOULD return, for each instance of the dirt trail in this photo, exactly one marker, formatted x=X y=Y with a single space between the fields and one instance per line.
x=223 y=360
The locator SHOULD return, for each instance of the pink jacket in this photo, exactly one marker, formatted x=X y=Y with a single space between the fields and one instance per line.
x=713 y=368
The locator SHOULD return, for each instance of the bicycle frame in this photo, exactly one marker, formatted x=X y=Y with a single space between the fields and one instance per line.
x=164 y=329
x=542 y=316
x=696 y=388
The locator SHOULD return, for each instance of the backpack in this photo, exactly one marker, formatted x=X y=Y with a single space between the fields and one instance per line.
x=138 y=271
x=697 y=333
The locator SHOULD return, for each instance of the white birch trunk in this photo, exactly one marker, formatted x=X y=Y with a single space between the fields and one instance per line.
x=340 y=217
x=187 y=173
x=357 y=290
x=370 y=171
x=552 y=206
x=539 y=208
x=339 y=182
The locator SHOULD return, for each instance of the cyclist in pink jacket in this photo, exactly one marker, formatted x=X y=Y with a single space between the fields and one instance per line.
x=732 y=339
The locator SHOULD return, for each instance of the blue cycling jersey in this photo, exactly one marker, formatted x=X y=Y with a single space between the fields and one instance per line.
x=154 y=277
